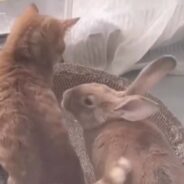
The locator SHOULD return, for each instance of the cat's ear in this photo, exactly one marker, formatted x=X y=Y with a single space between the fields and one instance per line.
x=68 y=23
x=31 y=8
x=29 y=11
x=20 y=25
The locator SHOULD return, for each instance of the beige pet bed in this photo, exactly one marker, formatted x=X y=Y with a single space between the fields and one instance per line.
x=68 y=75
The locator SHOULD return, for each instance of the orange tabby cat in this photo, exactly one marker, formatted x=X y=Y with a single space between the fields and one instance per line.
x=34 y=146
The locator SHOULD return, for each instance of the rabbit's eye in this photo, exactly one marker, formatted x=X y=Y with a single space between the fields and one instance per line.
x=89 y=101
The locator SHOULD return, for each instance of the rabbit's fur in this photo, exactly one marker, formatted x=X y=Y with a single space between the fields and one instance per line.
x=124 y=147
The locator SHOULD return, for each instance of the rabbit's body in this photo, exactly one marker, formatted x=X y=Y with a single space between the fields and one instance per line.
x=152 y=160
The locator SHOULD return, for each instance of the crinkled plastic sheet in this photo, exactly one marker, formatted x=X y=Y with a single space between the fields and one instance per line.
x=114 y=35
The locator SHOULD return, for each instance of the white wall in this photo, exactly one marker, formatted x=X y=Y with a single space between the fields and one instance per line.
x=9 y=9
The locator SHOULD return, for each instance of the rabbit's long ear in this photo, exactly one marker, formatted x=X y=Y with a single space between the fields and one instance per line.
x=134 y=108
x=151 y=75
x=20 y=26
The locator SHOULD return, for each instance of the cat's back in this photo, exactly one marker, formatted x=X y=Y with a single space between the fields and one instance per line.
x=31 y=130
x=58 y=157
x=19 y=151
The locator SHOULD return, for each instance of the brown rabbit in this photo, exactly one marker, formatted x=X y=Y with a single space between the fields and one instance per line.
x=34 y=145
x=123 y=145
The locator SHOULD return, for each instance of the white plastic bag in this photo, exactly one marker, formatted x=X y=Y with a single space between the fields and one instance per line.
x=113 y=35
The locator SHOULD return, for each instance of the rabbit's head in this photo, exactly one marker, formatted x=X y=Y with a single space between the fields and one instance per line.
x=93 y=104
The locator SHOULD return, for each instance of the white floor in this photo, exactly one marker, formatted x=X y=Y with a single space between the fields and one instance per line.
x=171 y=91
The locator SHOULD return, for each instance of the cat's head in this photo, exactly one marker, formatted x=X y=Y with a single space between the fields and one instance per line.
x=37 y=38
